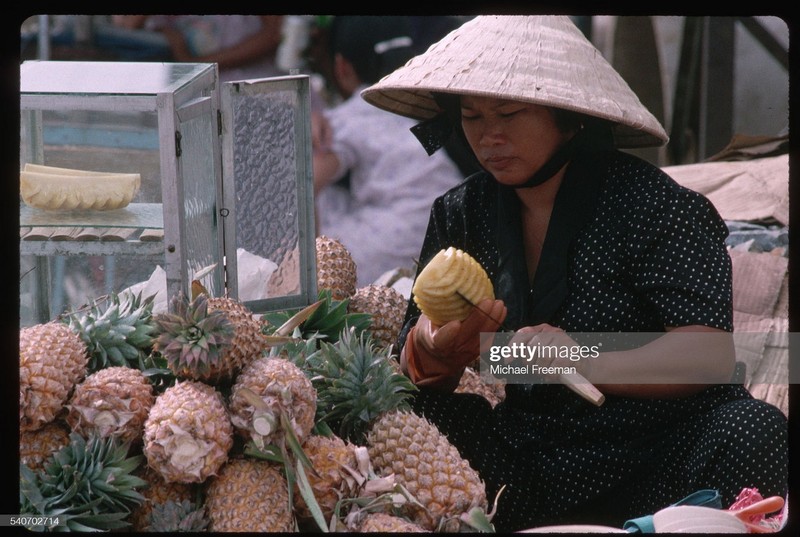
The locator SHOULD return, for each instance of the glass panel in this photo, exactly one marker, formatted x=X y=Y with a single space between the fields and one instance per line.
x=201 y=241
x=69 y=258
x=265 y=170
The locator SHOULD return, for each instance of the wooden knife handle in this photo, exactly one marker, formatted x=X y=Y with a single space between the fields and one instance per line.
x=578 y=384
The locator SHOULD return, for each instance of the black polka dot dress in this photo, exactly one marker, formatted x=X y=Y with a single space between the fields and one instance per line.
x=627 y=250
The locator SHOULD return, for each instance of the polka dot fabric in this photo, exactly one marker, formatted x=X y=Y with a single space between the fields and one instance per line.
x=651 y=255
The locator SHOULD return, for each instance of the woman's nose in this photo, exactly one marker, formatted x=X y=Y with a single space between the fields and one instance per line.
x=491 y=134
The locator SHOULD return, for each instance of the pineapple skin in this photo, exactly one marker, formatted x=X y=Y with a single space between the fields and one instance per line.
x=387 y=307
x=52 y=360
x=429 y=466
x=248 y=495
x=248 y=341
x=280 y=384
x=158 y=491
x=35 y=447
x=114 y=401
x=471 y=382
x=386 y=523
x=336 y=269
x=329 y=456
x=188 y=433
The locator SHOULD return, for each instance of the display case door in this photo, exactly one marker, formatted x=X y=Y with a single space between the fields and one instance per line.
x=268 y=192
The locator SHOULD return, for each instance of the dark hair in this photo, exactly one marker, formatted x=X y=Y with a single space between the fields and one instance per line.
x=374 y=45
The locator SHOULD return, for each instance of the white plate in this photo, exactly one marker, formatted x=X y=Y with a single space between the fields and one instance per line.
x=574 y=528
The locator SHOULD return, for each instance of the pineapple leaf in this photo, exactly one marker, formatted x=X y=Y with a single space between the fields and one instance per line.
x=86 y=484
x=308 y=495
x=355 y=383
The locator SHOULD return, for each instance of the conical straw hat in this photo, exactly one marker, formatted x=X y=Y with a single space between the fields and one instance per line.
x=540 y=59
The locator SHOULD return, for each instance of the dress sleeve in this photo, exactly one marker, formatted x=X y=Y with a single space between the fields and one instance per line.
x=681 y=264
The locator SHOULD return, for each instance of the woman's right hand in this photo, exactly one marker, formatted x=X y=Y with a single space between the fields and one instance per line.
x=440 y=353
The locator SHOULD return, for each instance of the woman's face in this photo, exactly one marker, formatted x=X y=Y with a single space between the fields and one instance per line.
x=511 y=139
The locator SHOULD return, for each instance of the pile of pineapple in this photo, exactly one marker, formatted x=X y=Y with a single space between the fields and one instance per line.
x=209 y=418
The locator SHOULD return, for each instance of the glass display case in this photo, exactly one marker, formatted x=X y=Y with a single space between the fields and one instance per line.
x=202 y=165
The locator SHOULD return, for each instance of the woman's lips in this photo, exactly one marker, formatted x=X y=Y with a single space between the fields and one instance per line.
x=498 y=163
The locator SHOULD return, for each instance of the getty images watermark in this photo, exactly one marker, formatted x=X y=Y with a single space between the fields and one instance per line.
x=663 y=358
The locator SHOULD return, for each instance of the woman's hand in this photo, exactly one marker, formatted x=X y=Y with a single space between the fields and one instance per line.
x=554 y=351
x=437 y=355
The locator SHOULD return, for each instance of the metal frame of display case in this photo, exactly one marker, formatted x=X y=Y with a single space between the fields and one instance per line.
x=176 y=105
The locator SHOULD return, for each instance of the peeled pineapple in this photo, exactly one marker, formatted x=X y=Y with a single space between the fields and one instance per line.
x=450 y=285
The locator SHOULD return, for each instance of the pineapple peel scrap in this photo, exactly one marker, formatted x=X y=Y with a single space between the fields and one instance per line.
x=449 y=286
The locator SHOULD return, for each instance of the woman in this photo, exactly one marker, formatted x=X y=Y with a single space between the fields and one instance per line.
x=577 y=237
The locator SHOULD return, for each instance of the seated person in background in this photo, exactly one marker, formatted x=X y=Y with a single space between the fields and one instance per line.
x=244 y=46
x=374 y=184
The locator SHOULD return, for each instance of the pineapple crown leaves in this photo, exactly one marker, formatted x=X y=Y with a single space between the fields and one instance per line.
x=356 y=383
x=193 y=337
x=177 y=516
x=298 y=349
x=118 y=332
x=156 y=370
x=90 y=481
x=328 y=320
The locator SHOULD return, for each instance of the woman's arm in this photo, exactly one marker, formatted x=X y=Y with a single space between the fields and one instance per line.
x=252 y=48
x=684 y=361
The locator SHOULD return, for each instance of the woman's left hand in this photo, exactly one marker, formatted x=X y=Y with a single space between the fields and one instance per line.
x=551 y=351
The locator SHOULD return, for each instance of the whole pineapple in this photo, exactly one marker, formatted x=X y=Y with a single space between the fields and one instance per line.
x=209 y=338
x=52 y=360
x=360 y=392
x=355 y=383
x=248 y=342
x=188 y=433
x=386 y=305
x=89 y=484
x=384 y=523
x=35 y=447
x=249 y=495
x=195 y=339
x=266 y=388
x=336 y=269
x=157 y=492
x=334 y=463
x=114 y=401
x=429 y=466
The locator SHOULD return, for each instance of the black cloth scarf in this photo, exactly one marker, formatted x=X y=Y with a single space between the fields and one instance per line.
x=573 y=208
